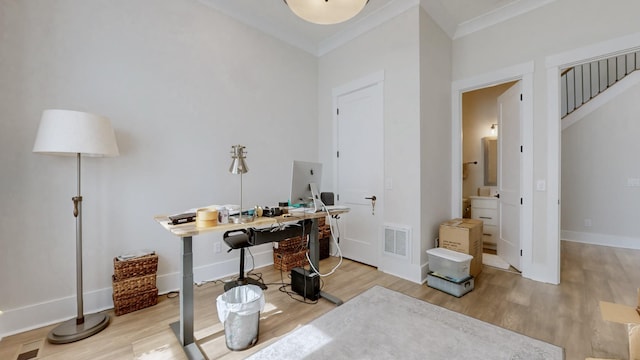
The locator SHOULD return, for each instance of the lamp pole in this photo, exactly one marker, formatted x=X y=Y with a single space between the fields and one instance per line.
x=77 y=213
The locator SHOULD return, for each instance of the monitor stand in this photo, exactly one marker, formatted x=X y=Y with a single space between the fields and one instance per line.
x=315 y=194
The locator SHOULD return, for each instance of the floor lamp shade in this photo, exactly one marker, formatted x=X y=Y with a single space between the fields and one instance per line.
x=66 y=132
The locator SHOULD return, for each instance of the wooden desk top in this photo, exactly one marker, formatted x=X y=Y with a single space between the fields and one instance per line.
x=190 y=229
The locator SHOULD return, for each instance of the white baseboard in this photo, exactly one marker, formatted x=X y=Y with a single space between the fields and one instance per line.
x=34 y=316
x=601 y=239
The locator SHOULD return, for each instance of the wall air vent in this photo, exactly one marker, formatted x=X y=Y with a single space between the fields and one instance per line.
x=397 y=241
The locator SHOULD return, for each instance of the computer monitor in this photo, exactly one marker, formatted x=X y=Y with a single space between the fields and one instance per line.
x=305 y=184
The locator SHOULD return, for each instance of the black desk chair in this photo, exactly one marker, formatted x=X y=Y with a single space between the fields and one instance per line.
x=240 y=239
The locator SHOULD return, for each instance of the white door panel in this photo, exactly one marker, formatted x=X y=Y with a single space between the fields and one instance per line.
x=360 y=172
x=509 y=170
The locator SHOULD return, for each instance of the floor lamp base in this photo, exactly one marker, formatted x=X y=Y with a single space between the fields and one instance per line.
x=69 y=331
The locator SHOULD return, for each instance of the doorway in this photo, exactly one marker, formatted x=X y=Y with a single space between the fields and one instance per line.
x=359 y=167
x=491 y=173
x=554 y=65
x=523 y=72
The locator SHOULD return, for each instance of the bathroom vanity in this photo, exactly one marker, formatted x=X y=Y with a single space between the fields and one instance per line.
x=485 y=208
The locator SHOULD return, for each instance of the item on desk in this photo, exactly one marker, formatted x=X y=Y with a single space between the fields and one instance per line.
x=271 y=212
x=182 y=218
x=247 y=216
x=284 y=206
x=258 y=211
x=327 y=198
x=206 y=217
x=223 y=215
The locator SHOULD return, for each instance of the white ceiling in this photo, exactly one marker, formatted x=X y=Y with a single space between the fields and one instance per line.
x=456 y=17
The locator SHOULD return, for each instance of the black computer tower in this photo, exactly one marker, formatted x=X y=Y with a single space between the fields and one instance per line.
x=305 y=283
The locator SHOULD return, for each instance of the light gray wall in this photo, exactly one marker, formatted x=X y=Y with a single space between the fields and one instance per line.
x=599 y=155
x=391 y=47
x=435 y=133
x=181 y=84
x=533 y=36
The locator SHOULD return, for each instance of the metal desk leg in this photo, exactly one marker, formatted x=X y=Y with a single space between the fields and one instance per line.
x=314 y=256
x=184 y=328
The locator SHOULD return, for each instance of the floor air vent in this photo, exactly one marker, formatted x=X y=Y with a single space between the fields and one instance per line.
x=396 y=240
x=30 y=350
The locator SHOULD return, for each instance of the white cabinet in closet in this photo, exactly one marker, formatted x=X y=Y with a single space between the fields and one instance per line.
x=485 y=208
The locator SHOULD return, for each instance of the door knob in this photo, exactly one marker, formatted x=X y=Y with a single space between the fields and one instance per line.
x=373 y=204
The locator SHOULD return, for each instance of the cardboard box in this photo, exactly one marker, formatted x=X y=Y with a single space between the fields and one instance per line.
x=628 y=315
x=465 y=236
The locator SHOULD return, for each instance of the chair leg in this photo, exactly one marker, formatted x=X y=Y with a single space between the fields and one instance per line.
x=242 y=280
x=241 y=277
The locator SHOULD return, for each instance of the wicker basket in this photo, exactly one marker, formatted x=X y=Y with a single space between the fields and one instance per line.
x=140 y=266
x=286 y=261
x=324 y=248
x=294 y=244
x=134 y=285
x=127 y=303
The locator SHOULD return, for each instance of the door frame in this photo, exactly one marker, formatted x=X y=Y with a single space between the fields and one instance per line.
x=522 y=72
x=373 y=79
x=554 y=64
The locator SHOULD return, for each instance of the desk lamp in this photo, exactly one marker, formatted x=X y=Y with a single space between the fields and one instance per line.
x=239 y=166
x=73 y=133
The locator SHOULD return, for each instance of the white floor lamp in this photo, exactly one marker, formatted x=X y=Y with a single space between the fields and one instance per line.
x=73 y=133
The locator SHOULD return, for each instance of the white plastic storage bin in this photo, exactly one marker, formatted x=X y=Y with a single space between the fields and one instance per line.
x=454 y=288
x=448 y=263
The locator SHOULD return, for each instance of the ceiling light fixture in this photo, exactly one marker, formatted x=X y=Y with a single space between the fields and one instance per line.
x=326 y=12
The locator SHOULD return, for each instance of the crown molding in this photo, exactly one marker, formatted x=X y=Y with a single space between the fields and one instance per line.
x=361 y=26
x=288 y=34
x=497 y=16
x=264 y=25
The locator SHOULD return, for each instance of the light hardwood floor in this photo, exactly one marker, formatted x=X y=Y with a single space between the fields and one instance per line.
x=566 y=315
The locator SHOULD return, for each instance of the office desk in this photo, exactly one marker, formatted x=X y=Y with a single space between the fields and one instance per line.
x=184 y=328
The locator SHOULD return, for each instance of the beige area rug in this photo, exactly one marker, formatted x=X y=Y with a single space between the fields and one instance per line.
x=384 y=324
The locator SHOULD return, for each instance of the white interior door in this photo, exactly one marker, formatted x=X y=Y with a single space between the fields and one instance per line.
x=360 y=172
x=509 y=169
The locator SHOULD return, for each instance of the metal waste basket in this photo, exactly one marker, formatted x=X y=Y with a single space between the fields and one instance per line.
x=239 y=310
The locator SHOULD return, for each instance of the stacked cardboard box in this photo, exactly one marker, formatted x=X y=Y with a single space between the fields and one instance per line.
x=134 y=283
x=465 y=236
